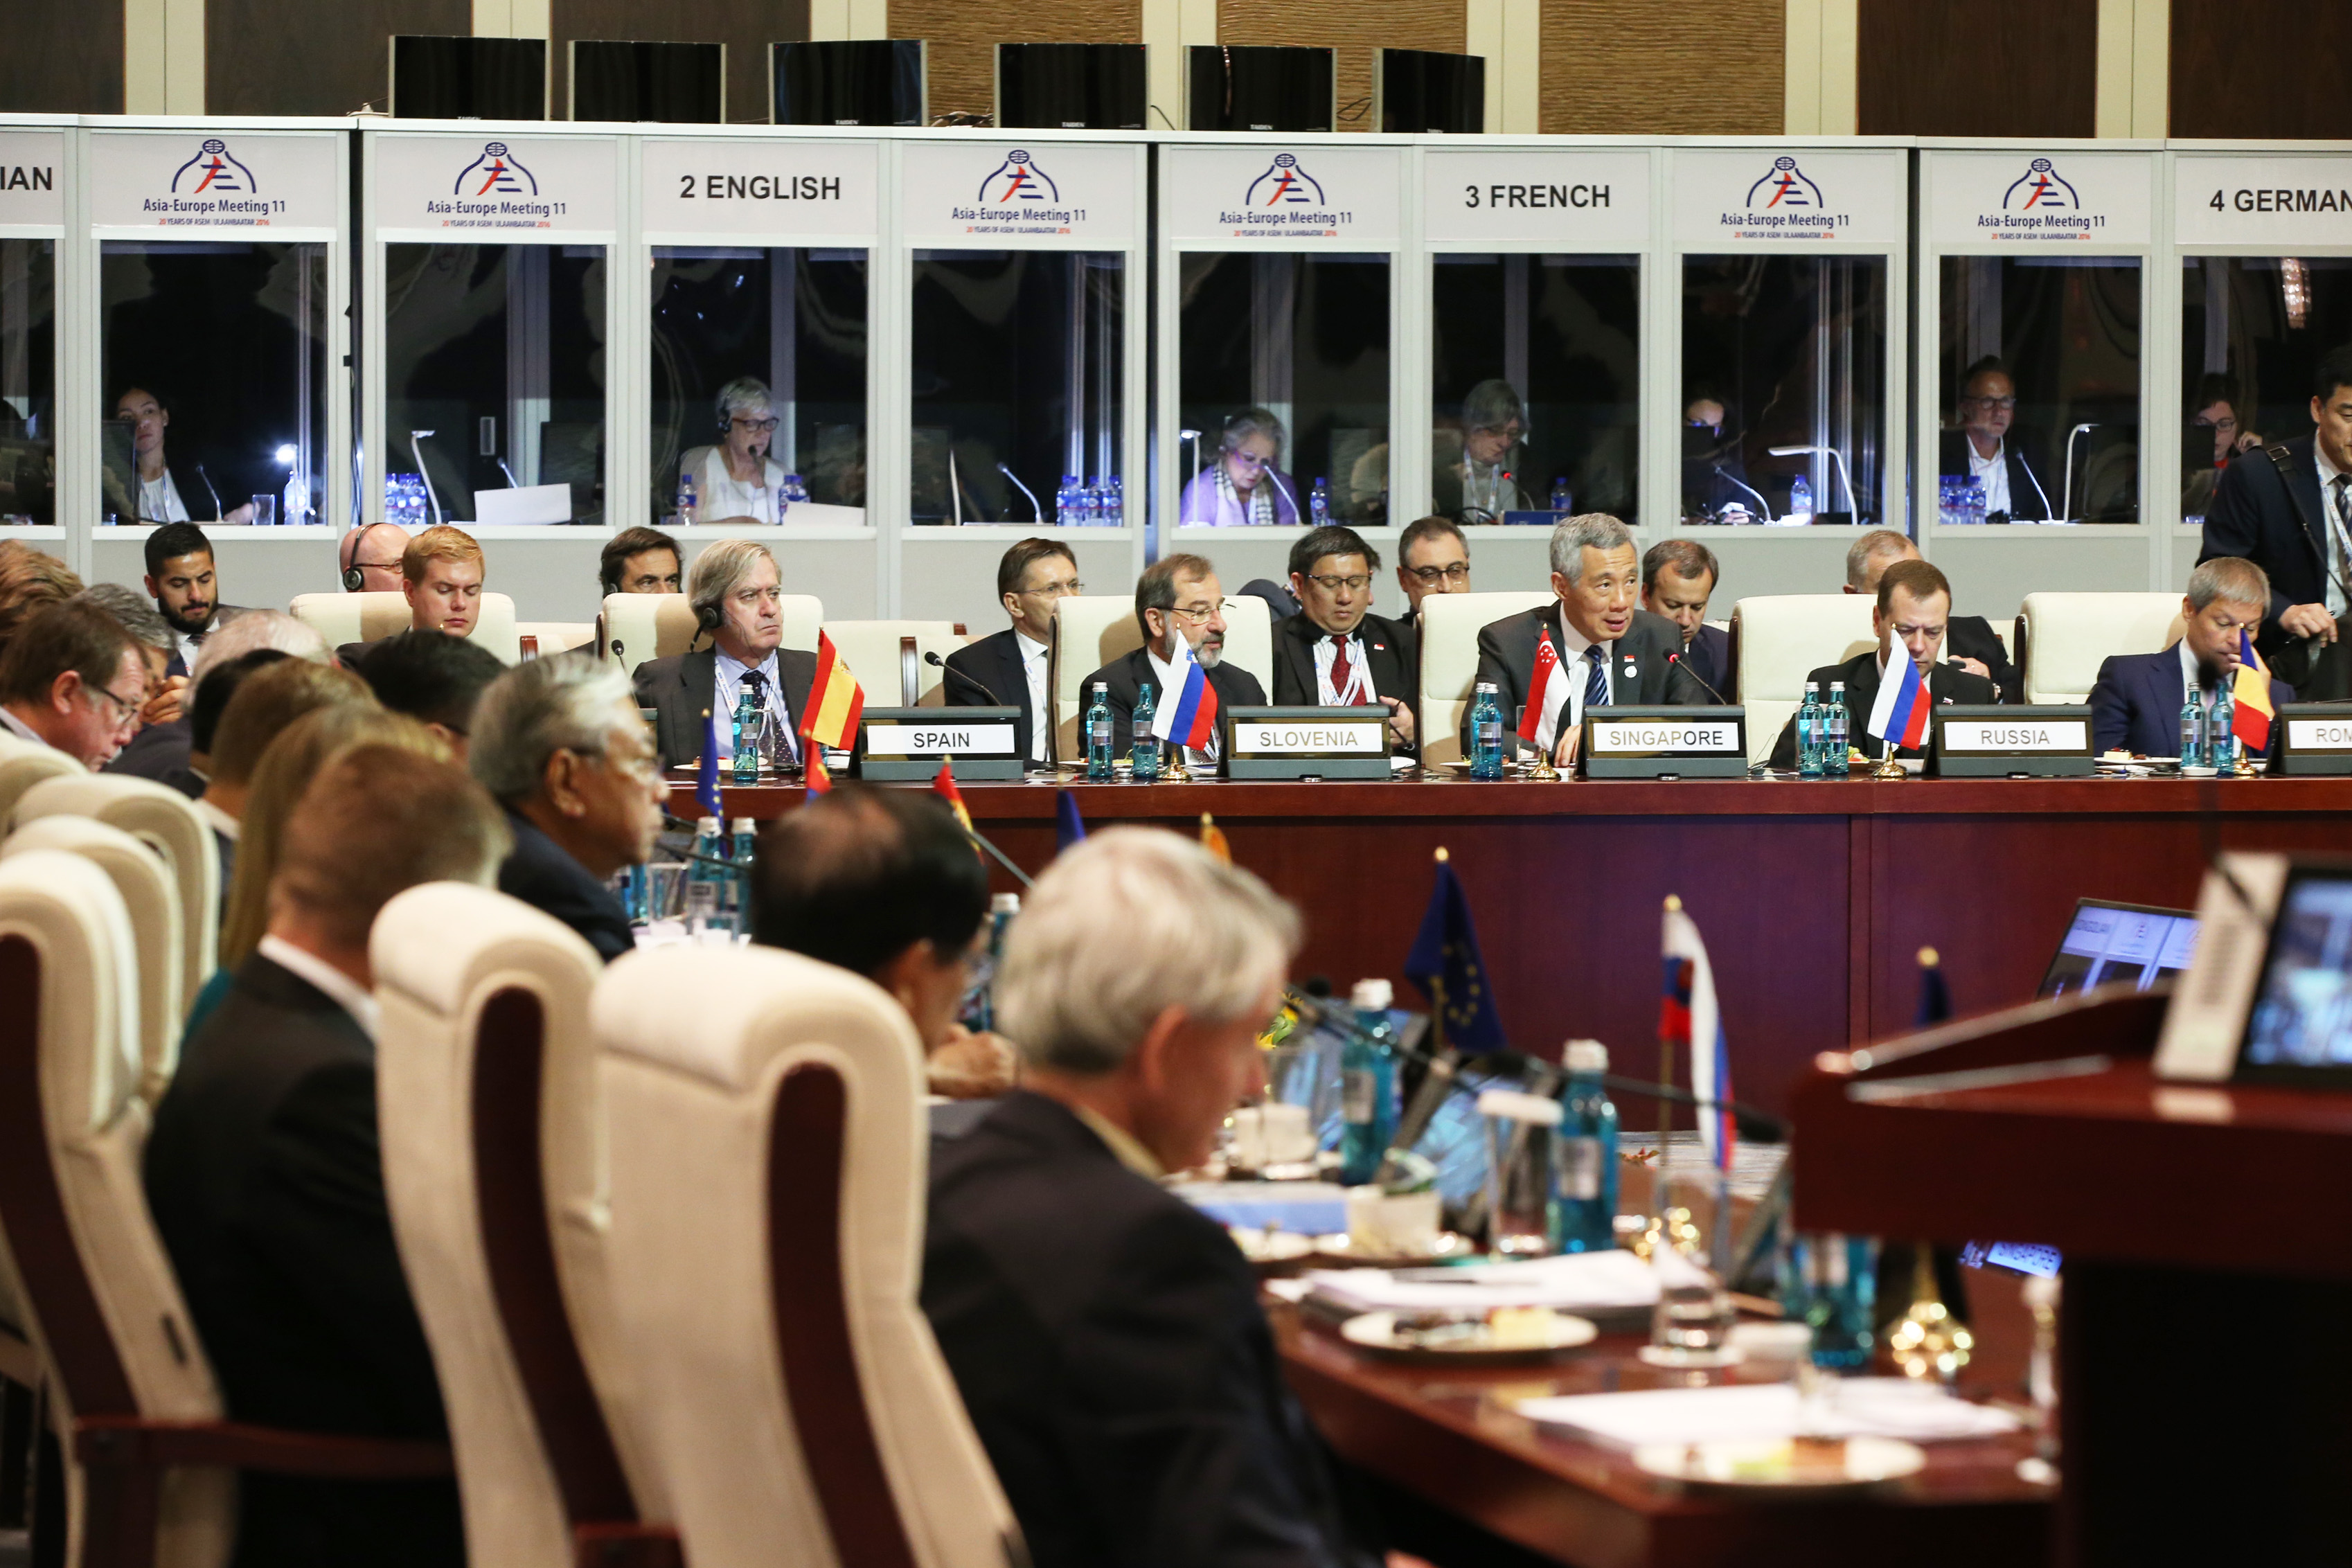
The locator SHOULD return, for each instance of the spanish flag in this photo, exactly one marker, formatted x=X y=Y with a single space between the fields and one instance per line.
x=817 y=777
x=834 y=700
x=944 y=785
x=2250 y=698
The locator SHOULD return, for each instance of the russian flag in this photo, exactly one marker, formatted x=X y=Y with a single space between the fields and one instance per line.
x=2250 y=698
x=1900 y=717
x=1189 y=717
x=1688 y=1015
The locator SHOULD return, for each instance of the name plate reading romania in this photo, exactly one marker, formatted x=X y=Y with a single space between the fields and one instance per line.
x=897 y=744
x=2042 y=741
x=2319 y=738
x=1632 y=742
x=1308 y=742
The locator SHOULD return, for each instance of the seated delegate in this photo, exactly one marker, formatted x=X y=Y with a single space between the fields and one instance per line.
x=1177 y=596
x=2136 y=706
x=1914 y=601
x=736 y=591
x=1335 y=653
x=1969 y=641
x=1678 y=578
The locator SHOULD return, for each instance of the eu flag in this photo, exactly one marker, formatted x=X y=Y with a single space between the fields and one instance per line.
x=1069 y=827
x=1935 y=996
x=706 y=776
x=1445 y=956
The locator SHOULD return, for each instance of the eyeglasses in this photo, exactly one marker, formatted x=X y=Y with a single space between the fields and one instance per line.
x=377 y=565
x=125 y=710
x=1055 y=590
x=1195 y=616
x=2003 y=403
x=1247 y=459
x=759 y=426
x=1355 y=585
x=1430 y=576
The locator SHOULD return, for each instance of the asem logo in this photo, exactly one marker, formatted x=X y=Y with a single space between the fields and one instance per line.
x=213 y=169
x=2040 y=186
x=495 y=171
x=1785 y=186
x=1017 y=179
x=1284 y=181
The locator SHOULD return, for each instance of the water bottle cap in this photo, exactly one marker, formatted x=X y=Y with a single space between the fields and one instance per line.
x=1371 y=996
x=1488 y=686
x=1837 y=686
x=745 y=825
x=706 y=825
x=1813 y=687
x=1004 y=904
x=1321 y=481
x=1102 y=685
x=1585 y=1055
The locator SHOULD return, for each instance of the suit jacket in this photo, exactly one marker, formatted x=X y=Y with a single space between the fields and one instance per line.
x=266 y=1181
x=160 y=753
x=222 y=616
x=1108 y=1343
x=1947 y=687
x=542 y=874
x=1388 y=647
x=1646 y=664
x=2034 y=503
x=681 y=688
x=2136 y=704
x=1709 y=658
x=1972 y=636
x=2278 y=526
x=1235 y=686
x=995 y=662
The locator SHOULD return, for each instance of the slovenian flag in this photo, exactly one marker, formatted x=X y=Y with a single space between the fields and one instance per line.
x=836 y=700
x=1688 y=1015
x=1547 y=695
x=1189 y=717
x=2250 y=698
x=1900 y=717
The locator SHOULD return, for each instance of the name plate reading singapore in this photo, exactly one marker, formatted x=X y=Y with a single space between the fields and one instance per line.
x=938 y=740
x=1647 y=735
x=1259 y=738
x=2023 y=736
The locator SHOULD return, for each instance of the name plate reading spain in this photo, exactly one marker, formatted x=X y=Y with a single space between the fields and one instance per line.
x=2319 y=738
x=2045 y=742
x=897 y=744
x=1308 y=742
x=1645 y=742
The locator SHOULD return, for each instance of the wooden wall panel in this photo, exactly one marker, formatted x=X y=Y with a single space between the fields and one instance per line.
x=1638 y=68
x=746 y=26
x=297 y=56
x=963 y=35
x=2267 y=68
x=1353 y=27
x=61 y=56
x=1991 y=68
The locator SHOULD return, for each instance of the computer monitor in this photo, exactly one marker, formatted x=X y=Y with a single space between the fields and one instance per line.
x=2108 y=943
x=469 y=79
x=2300 y=1027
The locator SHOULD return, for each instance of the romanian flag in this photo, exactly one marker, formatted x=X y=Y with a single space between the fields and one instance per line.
x=2250 y=698
x=815 y=776
x=1189 y=718
x=834 y=700
x=1213 y=840
x=1687 y=1016
x=1900 y=717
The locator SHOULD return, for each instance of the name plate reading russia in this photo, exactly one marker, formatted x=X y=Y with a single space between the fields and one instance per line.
x=1307 y=743
x=904 y=744
x=2046 y=740
x=1664 y=742
x=2063 y=735
x=2319 y=738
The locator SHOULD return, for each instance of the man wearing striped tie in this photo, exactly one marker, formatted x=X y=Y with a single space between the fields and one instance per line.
x=736 y=594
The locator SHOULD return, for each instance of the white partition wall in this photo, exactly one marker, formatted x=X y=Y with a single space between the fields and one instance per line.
x=40 y=482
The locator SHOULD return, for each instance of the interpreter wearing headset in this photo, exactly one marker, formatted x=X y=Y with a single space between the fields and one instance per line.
x=737 y=596
x=737 y=480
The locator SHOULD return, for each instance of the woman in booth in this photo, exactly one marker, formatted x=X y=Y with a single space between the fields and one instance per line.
x=736 y=481
x=166 y=489
x=1481 y=481
x=1244 y=487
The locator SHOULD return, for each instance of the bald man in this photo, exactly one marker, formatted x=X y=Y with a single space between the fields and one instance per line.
x=374 y=551
x=1969 y=640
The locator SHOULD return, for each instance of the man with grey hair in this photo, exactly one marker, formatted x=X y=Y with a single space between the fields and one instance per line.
x=2136 y=705
x=1106 y=1335
x=558 y=742
x=174 y=751
x=156 y=645
x=1610 y=652
x=1177 y=596
x=737 y=593
x=1969 y=641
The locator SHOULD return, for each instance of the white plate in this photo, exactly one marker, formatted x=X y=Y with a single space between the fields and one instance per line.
x=1376 y=1331
x=1783 y=1465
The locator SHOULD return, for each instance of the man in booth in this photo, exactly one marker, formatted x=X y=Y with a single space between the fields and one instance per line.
x=737 y=596
x=1009 y=669
x=1177 y=596
x=1987 y=449
x=1914 y=602
x=1335 y=653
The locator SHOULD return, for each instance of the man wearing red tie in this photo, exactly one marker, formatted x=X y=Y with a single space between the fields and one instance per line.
x=1335 y=653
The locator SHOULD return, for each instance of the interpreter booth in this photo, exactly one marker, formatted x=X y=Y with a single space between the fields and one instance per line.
x=206 y=343
x=2035 y=463
x=39 y=159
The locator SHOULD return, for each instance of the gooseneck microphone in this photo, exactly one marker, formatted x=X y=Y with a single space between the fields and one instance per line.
x=1694 y=675
x=1036 y=512
x=220 y=514
x=971 y=680
x=1751 y=489
x=1295 y=515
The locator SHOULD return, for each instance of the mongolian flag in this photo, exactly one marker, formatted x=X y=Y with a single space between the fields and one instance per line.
x=834 y=700
x=815 y=777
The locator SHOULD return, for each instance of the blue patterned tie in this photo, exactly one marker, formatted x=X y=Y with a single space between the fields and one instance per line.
x=1596 y=684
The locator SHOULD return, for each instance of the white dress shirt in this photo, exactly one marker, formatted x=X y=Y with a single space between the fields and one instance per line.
x=1993 y=471
x=1574 y=665
x=159 y=501
x=1032 y=669
x=341 y=990
x=1168 y=677
x=729 y=691
x=2340 y=531
x=721 y=495
x=1359 y=692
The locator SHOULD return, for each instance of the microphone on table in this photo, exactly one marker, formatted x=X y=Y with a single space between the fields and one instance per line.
x=219 y=515
x=973 y=681
x=1288 y=494
x=1694 y=675
x=1751 y=489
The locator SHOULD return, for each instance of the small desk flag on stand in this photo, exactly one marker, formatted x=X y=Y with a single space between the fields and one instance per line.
x=943 y=785
x=815 y=777
x=706 y=773
x=1688 y=1015
x=1189 y=717
x=1445 y=964
x=1213 y=840
x=2250 y=698
x=1935 y=996
x=1899 y=716
x=836 y=700
x=1547 y=695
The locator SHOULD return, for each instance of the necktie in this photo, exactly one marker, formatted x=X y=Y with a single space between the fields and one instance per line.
x=1596 y=683
x=2341 y=484
x=756 y=683
x=1341 y=672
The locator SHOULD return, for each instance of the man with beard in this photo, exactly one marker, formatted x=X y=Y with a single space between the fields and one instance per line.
x=185 y=586
x=1177 y=596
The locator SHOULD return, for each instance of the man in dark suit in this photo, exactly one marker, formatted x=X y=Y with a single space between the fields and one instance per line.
x=1177 y=596
x=1611 y=652
x=1914 y=602
x=737 y=592
x=185 y=586
x=1986 y=449
x=2285 y=510
x=1335 y=653
x=265 y=1178
x=1010 y=669
x=558 y=742
x=1678 y=578
x=1969 y=641
x=2136 y=706
x=1106 y=1336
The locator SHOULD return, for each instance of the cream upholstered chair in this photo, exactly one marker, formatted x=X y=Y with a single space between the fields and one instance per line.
x=2063 y=639
x=1778 y=640
x=167 y=822
x=1450 y=625
x=1249 y=640
x=1090 y=630
x=24 y=763
x=555 y=637
x=661 y=626
x=873 y=650
x=492 y=1156
x=364 y=618
x=768 y=1152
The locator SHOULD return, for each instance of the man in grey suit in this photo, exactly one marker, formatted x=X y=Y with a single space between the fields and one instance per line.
x=1611 y=652
x=736 y=594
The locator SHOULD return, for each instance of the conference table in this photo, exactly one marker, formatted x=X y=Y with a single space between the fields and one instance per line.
x=1815 y=898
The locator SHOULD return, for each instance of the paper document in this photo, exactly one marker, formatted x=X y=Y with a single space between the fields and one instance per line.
x=1852 y=1408
x=1615 y=1280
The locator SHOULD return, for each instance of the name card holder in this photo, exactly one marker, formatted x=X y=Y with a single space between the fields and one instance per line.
x=1646 y=742
x=895 y=745
x=2319 y=738
x=1994 y=742
x=1307 y=743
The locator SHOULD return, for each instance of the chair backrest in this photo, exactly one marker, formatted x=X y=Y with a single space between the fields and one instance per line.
x=661 y=626
x=1249 y=638
x=556 y=637
x=1089 y=631
x=167 y=822
x=24 y=763
x=486 y=1098
x=2068 y=636
x=1779 y=639
x=768 y=1153
x=365 y=617
x=1450 y=625
x=872 y=650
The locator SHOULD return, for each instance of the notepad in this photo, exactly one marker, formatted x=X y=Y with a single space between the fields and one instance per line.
x=1612 y=1281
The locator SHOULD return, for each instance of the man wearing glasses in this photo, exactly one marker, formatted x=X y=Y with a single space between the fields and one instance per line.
x=74 y=679
x=1335 y=653
x=737 y=480
x=1984 y=447
x=2136 y=706
x=1432 y=558
x=1008 y=669
x=1177 y=596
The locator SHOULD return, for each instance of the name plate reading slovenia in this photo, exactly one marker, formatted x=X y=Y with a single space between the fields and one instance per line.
x=902 y=743
x=2048 y=742
x=1665 y=743
x=2319 y=738
x=1308 y=743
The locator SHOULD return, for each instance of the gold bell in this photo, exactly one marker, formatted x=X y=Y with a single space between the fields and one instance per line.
x=1928 y=1342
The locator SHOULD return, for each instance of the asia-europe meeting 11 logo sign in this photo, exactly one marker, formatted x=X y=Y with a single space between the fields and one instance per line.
x=1785 y=202
x=213 y=188
x=1018 y=197
x=495 y=191
x=2040 y=204
x=1285 y=200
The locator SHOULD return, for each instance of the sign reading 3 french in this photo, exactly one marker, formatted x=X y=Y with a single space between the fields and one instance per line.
x=1032 y=195
x=2073 y=199
x=184 y=179
x=2232 y=199
x=1312 y=195
x=1802 y=197
x=1574 y=200
x=763 y=187
x=515 y=185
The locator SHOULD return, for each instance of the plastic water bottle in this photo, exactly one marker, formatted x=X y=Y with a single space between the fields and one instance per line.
x=1098 y=502
x=978 y=1010
x=1147 y=741
x=706 y=877
x=1835 y=741
x=1585 y=1174
x=1115 y=504
x=1812 y=730
x=746 y=724
x=783 y=496
x=1561 y=500
x=685 y=500
x=1800 y=499
x=1972 y=501
x=1098 y=768
x=296 y=504
x=798 y=487
x=2192 y=730
x=2220 y=742
x=739 y=852
x=1065 y=500
x=1318 y=503
x=1368 y=1084
x=1486 y=734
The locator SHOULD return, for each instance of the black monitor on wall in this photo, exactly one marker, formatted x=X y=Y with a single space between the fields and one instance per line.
x=675 y=83
x=1254 y=87
x=1070 y=87
x=1418 y=91
x=853 y=81
x=469 y=79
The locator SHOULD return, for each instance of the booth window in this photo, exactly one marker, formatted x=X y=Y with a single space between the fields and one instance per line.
x=1283 y=387
x=779 y=335
x=28 y=381
x=1535 y=375
x=2253 y=331
x=1019 y=367
x=2039 y=387
x=215 y=377
x=494 y=379
x=1784 y=388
